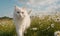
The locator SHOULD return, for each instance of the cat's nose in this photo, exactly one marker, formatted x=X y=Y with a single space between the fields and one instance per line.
x=18 y=12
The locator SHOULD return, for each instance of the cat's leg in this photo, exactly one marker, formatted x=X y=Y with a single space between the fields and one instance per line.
x=23 y=29
x=20 y=32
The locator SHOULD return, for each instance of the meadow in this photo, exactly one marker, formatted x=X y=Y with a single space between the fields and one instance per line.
x=40 y=26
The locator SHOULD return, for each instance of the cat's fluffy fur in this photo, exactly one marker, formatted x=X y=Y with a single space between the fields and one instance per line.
x=21 y=20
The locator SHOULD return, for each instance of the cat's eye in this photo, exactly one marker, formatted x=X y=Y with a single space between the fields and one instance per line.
x=22 y=12
x=18 y=12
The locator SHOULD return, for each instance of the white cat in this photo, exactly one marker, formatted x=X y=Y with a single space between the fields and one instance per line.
x=21 y=20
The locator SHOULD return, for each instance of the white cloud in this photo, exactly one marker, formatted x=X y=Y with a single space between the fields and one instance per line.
x=41 y=2
x=43 y=5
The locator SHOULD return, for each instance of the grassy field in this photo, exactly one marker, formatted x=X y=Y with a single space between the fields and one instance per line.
x=45 y=26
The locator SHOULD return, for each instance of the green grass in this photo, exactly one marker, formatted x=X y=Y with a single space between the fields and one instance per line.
x=42 y=27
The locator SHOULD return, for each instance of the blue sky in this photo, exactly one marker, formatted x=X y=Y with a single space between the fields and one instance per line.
x=6 y=7
x=45 y=6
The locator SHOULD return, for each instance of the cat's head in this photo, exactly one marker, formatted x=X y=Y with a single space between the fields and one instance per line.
x=21 y=12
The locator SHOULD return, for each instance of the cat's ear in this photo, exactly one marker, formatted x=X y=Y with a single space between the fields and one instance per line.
x=30 y=12
x=16 y=7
